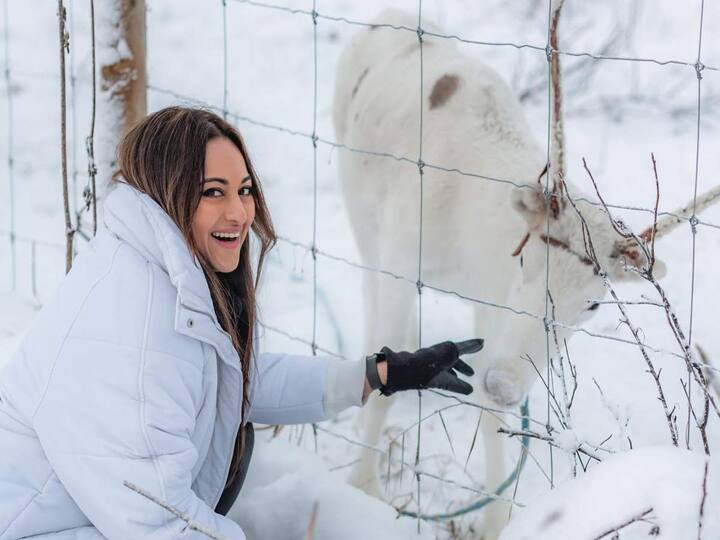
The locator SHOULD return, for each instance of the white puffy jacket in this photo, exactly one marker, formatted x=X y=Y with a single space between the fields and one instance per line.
x=126 y=376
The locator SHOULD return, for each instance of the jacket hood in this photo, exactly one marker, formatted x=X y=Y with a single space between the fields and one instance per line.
x=139 y=221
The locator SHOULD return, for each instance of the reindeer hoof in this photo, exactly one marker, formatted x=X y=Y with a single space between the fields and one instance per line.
x=367 y=483
x=503 y=387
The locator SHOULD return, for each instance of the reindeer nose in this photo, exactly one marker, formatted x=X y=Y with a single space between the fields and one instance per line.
x=503 y=387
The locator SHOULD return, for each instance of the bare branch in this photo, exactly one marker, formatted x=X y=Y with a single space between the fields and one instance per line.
x=573 y=374
x=182 y=515
x=64 y=47
x=646 y=273
x=620 y=229
x=700 y=424
x=653 y=231
x=447 y=433
x=310 y=532
x=702 y=500
x=554 y=405
x=548 y=439
x=709 y=370
x=615 y=529
x=622 y=424
x=567 y=420
x=626 y=302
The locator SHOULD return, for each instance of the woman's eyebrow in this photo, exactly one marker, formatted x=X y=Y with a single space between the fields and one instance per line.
x=224 y=181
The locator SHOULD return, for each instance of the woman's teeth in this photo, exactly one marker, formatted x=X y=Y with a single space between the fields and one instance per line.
x=226 y=237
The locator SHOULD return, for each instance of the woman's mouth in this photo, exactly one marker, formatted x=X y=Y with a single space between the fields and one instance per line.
x=227 y=240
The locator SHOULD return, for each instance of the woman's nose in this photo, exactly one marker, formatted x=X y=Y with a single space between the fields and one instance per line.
x=235 y=210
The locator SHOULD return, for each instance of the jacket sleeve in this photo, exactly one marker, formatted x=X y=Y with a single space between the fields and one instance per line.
x=113 y=414
x=294 y=389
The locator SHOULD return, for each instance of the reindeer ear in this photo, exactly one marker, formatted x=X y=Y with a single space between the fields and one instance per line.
x=632 y=256
x=530 y=204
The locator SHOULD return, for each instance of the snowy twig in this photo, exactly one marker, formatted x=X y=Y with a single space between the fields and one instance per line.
x=702 y=500
x=709 y=370
x=573 y=374
x=640 y=242
x=476 y=491
x=563 y=383
x=474 y=439
x=90 y=192
x=622 y=424
x=401 y=461
x=498 y=414
x=626 y=302
x=182 y=515
x=548 y=439
x=590 y=250
x=617 y=528
x=64 y=47
x=700 y=424
x=567 y=404
x=447 y=433
x=553 y=402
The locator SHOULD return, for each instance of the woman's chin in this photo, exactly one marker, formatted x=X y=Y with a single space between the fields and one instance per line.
x=224 y=266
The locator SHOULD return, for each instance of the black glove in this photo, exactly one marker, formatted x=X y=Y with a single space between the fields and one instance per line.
x=432 y=367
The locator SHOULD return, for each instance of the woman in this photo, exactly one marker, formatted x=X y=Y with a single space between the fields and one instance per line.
x=135 y=380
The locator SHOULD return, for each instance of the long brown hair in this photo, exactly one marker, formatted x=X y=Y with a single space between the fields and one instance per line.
x=163 y=156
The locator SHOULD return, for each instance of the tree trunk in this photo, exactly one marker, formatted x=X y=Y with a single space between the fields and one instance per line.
x=121 y=67
x=125 y=77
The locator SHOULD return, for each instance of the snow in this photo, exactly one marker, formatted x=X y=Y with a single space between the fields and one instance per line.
x=567 y=440
x=668 y=481
x=285 y=481
x=617 y=115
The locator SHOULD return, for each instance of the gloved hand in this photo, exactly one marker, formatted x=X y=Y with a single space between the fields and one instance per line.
x=431 y=367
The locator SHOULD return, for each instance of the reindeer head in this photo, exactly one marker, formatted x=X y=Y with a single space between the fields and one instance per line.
x=579 y=242
x=577 y=234
x=583 y=245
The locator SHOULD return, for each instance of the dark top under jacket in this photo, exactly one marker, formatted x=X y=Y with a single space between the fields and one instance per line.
x=232 y=283
x=231 y=492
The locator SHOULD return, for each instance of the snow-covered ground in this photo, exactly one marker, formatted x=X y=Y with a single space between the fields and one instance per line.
x=616 y=115
x=639 y=487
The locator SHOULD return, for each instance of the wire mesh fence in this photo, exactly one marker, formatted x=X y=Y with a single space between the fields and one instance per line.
x=313 y=18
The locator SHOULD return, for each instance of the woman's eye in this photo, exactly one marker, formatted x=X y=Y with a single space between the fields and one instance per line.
x=246 y=190
x=209 y=192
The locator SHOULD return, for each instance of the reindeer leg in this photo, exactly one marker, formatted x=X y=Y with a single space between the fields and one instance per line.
x=364 y=475
x=389 y=322
x=495 y=472
x=489 y=324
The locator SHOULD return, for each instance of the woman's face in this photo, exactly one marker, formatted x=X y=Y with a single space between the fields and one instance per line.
x=227 y=206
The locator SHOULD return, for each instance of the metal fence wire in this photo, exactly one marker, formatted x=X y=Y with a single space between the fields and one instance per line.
x=315 y=18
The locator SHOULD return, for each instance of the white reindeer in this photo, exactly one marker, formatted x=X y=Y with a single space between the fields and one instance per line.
x=471 y=226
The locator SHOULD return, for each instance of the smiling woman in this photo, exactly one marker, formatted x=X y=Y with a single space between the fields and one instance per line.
x=142 y=376
x=227 y=207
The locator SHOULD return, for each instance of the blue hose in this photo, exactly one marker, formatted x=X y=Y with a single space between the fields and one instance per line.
x=481 y=503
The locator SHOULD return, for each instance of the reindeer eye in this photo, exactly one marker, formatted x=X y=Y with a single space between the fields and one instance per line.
x=593 y=306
